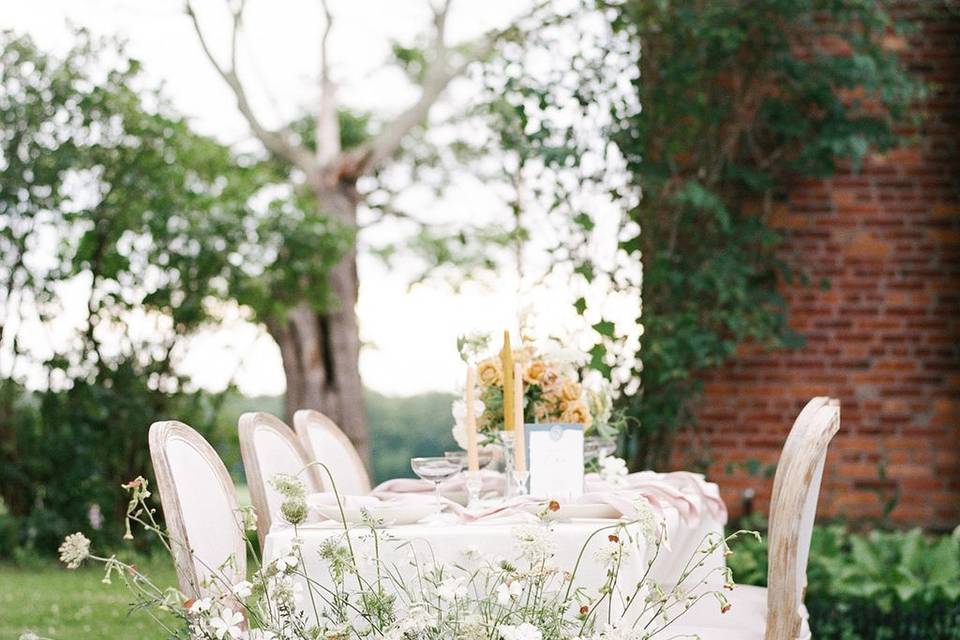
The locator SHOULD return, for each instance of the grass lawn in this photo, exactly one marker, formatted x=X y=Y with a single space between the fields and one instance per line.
x=54 y=602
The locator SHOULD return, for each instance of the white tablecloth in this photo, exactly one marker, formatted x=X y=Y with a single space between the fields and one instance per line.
x=448 y=540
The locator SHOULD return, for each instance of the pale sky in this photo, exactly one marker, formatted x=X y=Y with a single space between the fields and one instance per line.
x=410 y=334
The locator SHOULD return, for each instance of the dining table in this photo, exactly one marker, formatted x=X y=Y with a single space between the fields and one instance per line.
x=689 y=513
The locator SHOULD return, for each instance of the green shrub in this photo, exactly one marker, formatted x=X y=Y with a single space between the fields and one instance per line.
x=883 y=584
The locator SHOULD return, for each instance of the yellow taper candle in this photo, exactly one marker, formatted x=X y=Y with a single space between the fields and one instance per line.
x=519 y=433
x=506 y=363
x=473 y=461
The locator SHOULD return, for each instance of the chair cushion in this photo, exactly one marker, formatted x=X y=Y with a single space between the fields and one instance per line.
x=747 y=616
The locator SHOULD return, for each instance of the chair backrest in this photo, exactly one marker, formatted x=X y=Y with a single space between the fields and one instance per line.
x=326 y=443
x=793 y=508
x=200 y=508
x=268 y=447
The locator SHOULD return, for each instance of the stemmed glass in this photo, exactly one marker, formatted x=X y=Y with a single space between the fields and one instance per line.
x=436 y=470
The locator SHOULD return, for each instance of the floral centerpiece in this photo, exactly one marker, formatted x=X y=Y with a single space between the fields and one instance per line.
x=554 y=390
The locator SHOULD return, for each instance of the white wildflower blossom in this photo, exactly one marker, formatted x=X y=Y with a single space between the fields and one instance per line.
x=523 y=631
x=535 y=542
x=227 y=624
x=452 y=588
x=285 y=591
x=74 y=550
x=289 y=486
x=507 y=592
x=611 y=554
x=242 y=589
x=648 y=521
x=201 y=606
x=613 y=470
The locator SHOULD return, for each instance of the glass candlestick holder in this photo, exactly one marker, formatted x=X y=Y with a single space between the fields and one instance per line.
x=516 y=481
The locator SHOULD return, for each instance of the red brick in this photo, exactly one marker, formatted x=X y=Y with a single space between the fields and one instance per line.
x=884 y=338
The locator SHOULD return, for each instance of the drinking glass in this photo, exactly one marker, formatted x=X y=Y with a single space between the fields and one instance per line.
x=436 y=470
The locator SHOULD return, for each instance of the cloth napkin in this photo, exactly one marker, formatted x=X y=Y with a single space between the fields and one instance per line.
x=329 y=499
x=492 y=481
x=689 y=493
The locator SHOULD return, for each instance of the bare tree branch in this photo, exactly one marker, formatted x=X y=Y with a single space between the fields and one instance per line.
x=279 y=143
x=439 y=73
x=327 y=127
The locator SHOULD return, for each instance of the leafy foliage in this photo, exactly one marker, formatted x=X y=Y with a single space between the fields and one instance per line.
x=884 y=584
x=738 y=99
x=122 y=233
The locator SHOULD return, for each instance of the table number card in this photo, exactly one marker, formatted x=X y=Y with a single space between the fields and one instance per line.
x=555 y=460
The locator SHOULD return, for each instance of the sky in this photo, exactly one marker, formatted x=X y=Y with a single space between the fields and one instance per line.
x=403 y=329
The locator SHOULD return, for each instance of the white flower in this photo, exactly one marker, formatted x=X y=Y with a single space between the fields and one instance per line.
x=227 y=624
x=452 y=588
x=535 y=542
x=287 y=562
x=609 y=555
x=201 y=605
x=613 y=470
x=523 y=631
x=284 y=590
x=650 y=525
x=74 y=550
x=29 y=635
x=242 y=589
x=506 y=592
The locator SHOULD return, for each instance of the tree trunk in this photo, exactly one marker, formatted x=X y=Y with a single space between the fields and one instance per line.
x=321 y=351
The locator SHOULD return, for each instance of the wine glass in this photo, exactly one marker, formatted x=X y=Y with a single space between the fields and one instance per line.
x=436 y=470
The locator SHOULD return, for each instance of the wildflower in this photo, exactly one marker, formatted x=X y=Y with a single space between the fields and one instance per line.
x=452 y=588
x=287 y=562
x=523 y=631
x=199 y=606
x=507 y=592
x=29 y=635
x=535 y=542
x=288 y=485
x=650 y=525
x=294 y=510
x=242 y=589
x=227 y=624
x=74 y=550
x=285 y=591
x=613 y=470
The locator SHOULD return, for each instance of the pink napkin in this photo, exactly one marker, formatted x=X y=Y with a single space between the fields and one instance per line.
x=491 y=481
x=686 y=492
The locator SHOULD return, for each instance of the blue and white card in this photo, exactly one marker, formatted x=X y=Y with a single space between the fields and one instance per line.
x=555 y=460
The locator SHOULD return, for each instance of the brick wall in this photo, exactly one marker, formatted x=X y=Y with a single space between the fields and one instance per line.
x=883 y=338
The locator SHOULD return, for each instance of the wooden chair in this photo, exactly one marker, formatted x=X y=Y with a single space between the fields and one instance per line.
x=326 y=443
x=200 y=508
x=777 y=612
x=268 y=447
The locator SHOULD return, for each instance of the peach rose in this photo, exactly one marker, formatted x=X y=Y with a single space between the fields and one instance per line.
x=489 y=373
x=576 y=413
x=571 y=391
x=535 y=372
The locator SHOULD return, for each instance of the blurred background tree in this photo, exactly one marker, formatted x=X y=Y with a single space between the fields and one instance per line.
x=325 y=156
x=122 y=233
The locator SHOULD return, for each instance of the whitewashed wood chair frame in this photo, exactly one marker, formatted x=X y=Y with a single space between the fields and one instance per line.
x=200 y=509
x=327 y=443
x=777 y=612
x=793 y=509
x=297 y=462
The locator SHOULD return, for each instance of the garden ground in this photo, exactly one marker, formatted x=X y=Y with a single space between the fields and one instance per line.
x=56 y=603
